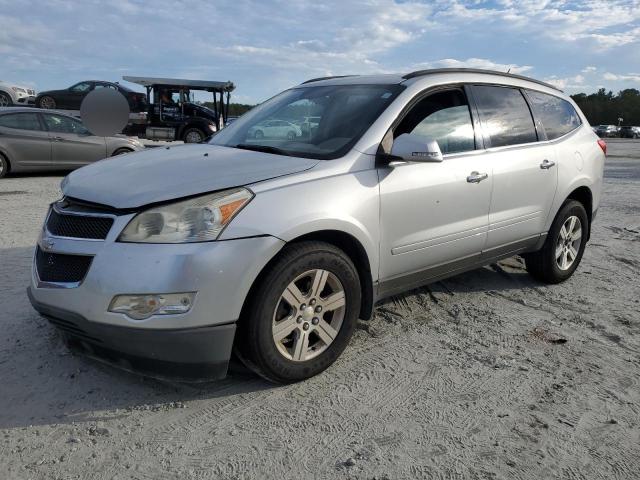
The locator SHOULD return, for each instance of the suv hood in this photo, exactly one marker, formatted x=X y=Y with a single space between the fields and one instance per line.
x=161 y=174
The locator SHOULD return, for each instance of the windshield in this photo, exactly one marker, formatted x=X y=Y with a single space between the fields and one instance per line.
x=321 y=122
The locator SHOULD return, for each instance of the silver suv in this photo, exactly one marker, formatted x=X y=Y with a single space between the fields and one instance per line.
x=166 y=261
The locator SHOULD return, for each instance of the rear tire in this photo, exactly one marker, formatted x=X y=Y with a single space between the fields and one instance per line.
x=562 y=250
x=301 y=315
x=4 y=166
x=46 y=102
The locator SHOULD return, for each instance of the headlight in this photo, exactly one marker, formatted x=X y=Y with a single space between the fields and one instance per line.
x=18 y=89
x=199 y=219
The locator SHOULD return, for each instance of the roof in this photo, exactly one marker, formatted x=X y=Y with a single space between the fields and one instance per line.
x=208 y=85
x=399 y=78
x=34 y=109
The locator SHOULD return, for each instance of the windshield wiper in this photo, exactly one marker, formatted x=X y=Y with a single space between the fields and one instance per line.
x=262 y=148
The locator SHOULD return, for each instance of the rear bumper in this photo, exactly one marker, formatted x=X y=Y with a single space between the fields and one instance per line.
x=189 y=354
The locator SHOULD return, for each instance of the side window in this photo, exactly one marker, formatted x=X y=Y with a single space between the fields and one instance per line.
x=557 y=115
x=60 y=124
x=22 y=121
x=105 y=85
x=443 y=117
x=505 y=115
x=81 y=87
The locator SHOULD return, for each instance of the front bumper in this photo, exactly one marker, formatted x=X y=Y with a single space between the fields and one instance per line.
x=221 y=273
x=190 y=354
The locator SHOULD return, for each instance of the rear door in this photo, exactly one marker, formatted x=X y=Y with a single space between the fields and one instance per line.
x=72 y=145
x=525 y=175
x=24 y=140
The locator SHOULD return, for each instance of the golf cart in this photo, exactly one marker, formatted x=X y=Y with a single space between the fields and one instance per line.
x=172 y=113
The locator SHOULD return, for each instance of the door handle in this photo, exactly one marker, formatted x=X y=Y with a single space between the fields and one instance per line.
x=546 y=164
x=476 y=177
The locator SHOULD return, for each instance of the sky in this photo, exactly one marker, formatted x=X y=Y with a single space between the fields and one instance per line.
x=270 y=45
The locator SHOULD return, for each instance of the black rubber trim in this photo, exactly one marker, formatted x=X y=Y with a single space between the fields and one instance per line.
x=190 y=354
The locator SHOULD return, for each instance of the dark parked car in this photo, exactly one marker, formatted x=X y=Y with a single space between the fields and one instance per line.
x=33 y=140
x=629 y=132
x=606 y=131
x=71 y=98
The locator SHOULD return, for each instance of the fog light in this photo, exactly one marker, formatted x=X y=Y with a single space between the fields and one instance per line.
x=140 y=307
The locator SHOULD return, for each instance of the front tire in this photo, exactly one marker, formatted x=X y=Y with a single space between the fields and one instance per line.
x=193 y=135
x=564 y=246
x=5 y=100
x=4 y=167
x=121 y=151
x=301 y=315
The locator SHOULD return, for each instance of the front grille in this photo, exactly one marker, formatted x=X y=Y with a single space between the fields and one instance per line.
x=61 y=268
x=78 y=226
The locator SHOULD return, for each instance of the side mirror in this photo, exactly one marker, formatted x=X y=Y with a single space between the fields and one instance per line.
x=414 y=148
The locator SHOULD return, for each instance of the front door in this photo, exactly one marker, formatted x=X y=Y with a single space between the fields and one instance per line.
x=25 y=140
x=525 y=175
x=72 y=98
x=434 y=216
x=72 y=145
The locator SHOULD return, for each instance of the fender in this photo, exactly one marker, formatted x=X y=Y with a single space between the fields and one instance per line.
x=198 y=122
x=347 y=203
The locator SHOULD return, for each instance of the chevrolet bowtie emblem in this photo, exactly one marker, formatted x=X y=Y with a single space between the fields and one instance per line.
x=48 y=244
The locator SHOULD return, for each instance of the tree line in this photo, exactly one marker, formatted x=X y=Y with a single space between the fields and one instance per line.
x=605 y=108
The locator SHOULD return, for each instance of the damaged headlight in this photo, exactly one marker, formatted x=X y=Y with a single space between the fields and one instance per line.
x=198 y=219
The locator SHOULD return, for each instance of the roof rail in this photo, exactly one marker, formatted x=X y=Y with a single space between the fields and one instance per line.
x=326 y=78
x=420 y=73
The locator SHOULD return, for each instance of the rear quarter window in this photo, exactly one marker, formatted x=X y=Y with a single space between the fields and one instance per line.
x=505 y=115
x=558 y=116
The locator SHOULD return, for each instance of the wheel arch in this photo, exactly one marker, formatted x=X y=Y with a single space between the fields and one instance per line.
x=348 y=244
x=584 y=195
x=4 y=155
x=121 y=149
x=200 y=124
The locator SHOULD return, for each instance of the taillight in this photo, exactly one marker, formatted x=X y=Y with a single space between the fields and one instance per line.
x=603 y=145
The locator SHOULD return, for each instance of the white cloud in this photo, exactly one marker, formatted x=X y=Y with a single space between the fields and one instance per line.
x=482 y=63
x=612 y=77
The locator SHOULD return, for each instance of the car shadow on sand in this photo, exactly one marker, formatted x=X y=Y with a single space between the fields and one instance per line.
x=43 y=383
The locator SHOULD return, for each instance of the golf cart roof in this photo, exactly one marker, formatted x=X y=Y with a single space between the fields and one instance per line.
x=209 y=86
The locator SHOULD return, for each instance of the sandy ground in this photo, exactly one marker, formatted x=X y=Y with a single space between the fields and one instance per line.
x=486 y=375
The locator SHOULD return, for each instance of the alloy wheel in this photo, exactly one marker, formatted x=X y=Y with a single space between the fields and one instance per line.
x=5 y=100
x=47 y=102
x=568 y=243
x=308 y=316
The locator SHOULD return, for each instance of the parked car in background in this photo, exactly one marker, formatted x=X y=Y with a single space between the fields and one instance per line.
x=35 y=140
x=629 y=132
x=276 y=247
x=274 y=128
x=606 y=131
x=15 y=94
x=71 y=98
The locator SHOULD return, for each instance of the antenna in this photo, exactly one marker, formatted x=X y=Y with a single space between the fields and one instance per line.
x=509 y=71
